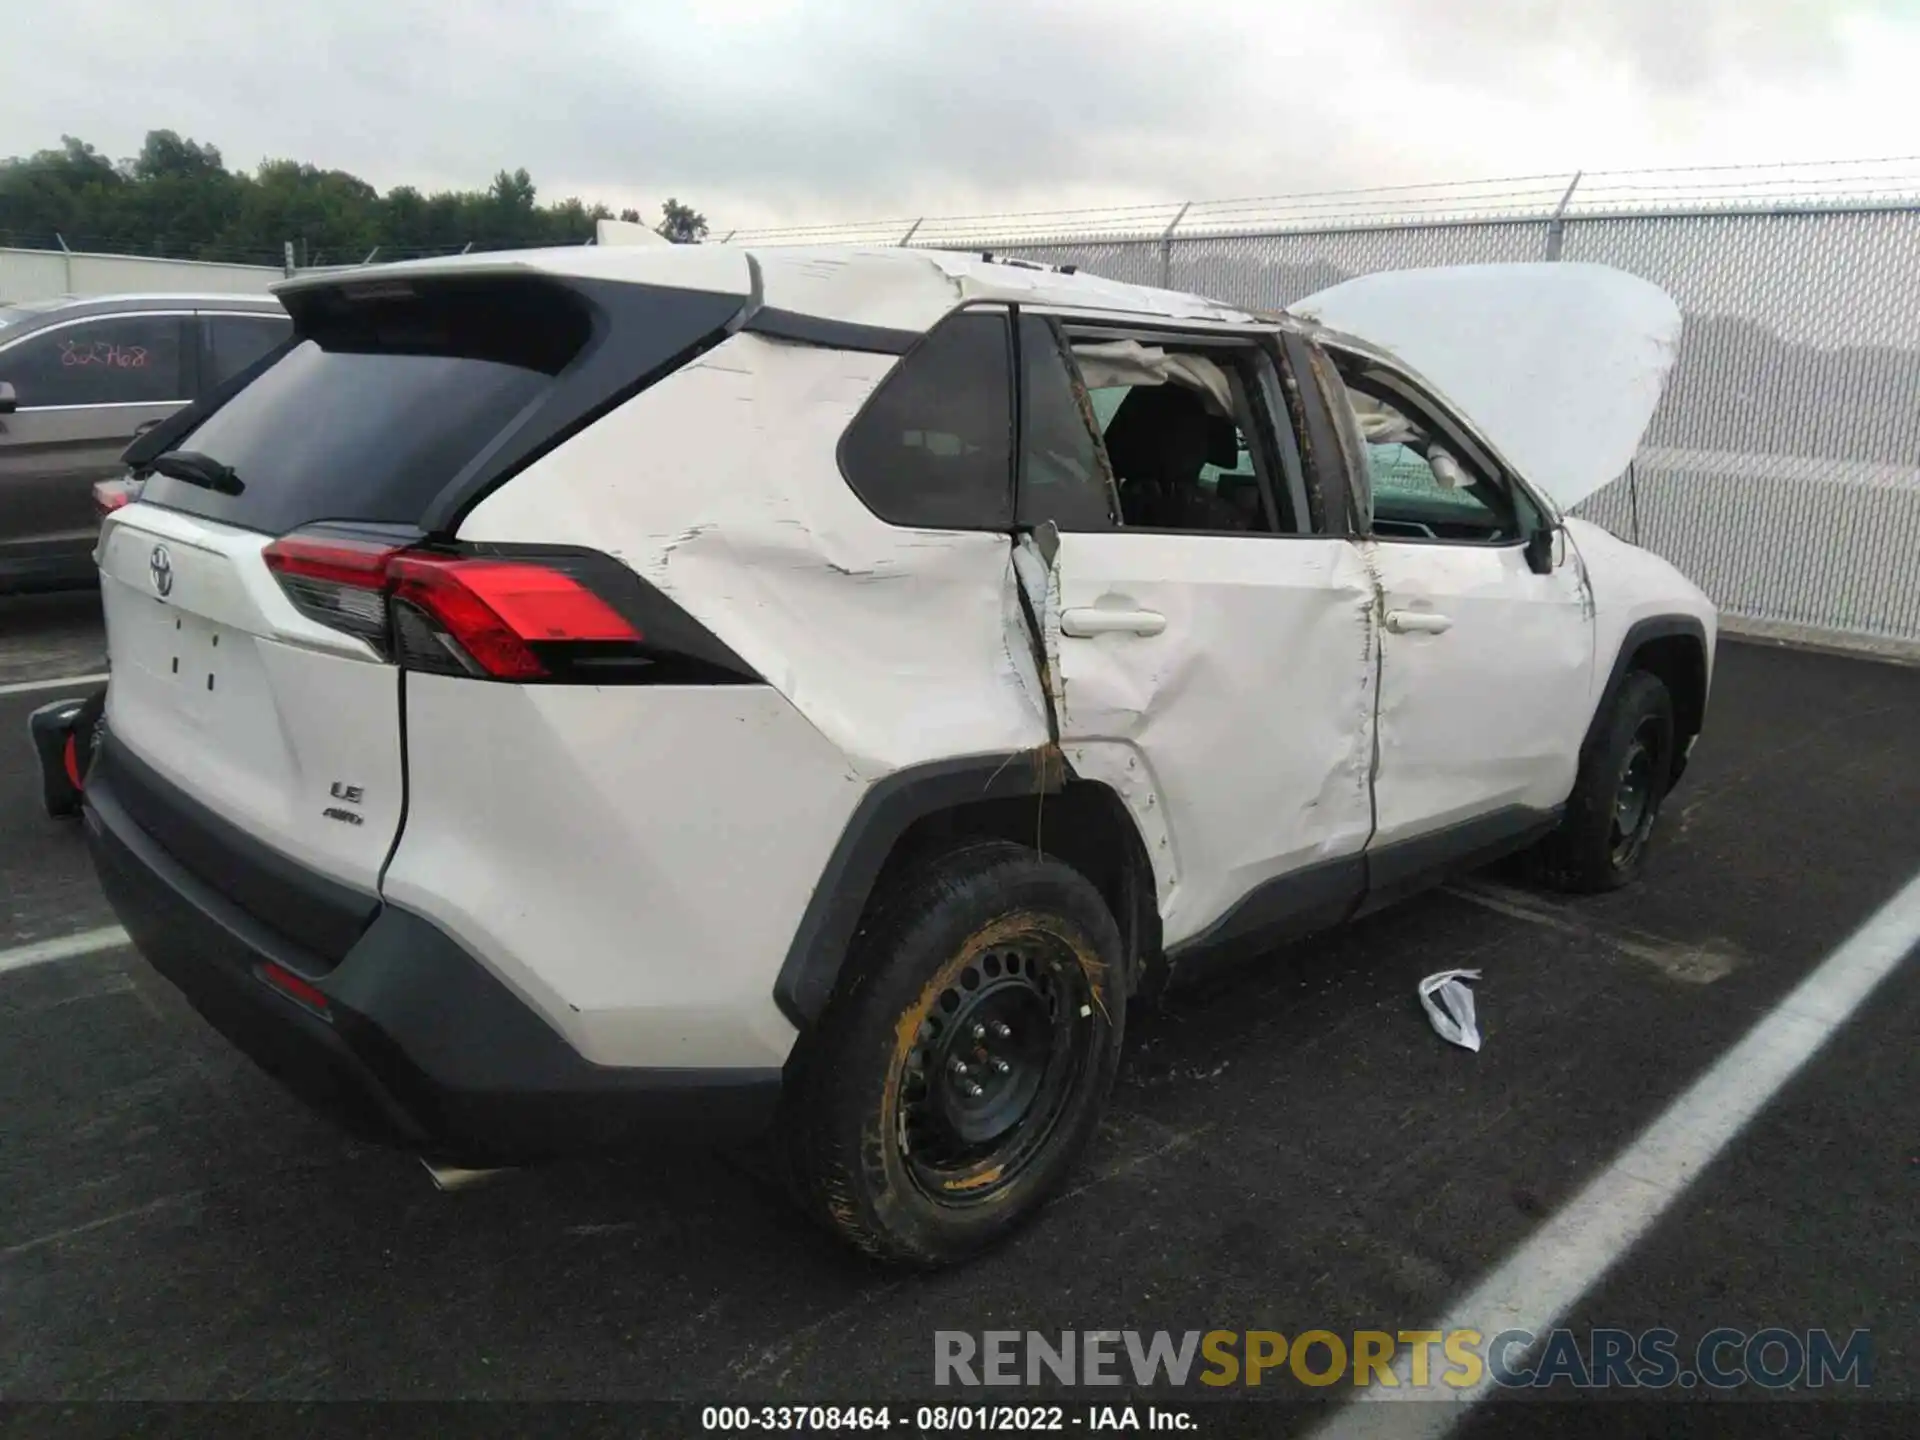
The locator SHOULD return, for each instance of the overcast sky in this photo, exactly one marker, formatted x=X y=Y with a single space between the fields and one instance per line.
x=761 y=111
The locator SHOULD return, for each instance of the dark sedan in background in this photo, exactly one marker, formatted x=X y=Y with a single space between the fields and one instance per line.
x=79 y=380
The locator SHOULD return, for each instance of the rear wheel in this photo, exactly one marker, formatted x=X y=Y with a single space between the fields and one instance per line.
x=1602 y=841
x=953 y=1084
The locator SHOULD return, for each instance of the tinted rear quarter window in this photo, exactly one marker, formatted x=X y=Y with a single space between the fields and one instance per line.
x=933 y=447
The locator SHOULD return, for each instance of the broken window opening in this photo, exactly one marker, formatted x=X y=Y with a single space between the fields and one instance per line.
x=1182 y=429
x=1428 y=481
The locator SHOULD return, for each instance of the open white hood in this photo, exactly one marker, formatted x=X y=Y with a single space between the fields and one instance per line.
x=1560 y=365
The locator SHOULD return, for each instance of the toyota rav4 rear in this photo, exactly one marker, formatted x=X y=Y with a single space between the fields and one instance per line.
x=439 y=832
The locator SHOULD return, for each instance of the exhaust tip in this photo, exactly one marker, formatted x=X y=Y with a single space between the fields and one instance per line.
x=452 y=1178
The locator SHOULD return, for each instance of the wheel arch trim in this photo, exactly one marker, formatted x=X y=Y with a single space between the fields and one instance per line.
x=1638 y=636
x=889 y=809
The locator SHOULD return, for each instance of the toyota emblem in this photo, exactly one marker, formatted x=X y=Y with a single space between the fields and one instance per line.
x=160 y=567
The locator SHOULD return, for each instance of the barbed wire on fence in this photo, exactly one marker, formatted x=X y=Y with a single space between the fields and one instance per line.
x=1782 y=470
x=1889 y=182
x=1885 y=182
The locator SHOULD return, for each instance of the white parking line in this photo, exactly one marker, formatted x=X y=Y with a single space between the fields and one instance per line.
x=27 y=687
x=1568 y=1255
x=67 y=947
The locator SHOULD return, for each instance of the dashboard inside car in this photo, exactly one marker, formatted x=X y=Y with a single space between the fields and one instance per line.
x=1424 y=485
x=1413 y=499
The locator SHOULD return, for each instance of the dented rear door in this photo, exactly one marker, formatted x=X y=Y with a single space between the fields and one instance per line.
x=1222 y=684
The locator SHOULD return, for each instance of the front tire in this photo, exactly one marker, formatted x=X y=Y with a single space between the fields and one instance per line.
x=1603 y=840
x=952 y=1085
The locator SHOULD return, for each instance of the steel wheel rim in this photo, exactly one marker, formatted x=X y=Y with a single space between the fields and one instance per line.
x=993 y=1068
x=1634 y=802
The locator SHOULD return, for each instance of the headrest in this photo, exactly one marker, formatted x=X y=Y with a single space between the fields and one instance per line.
x=1223 y=442
x=1161 y=432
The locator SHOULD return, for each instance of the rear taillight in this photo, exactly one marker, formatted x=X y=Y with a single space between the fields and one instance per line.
x=496 y=611
x=110 y=495
x=497 y=617
x=340 y=582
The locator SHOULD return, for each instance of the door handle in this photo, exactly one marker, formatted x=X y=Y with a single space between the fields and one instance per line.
x=1086 y=620
x=1418 y=622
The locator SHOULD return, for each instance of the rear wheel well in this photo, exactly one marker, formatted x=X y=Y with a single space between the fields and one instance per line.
x=1084 y=824
x=1679 y=662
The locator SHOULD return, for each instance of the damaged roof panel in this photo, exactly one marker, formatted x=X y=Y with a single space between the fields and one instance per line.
x=913 y=289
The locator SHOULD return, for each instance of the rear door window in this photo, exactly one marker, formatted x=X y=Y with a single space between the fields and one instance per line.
x=235 y=341
x=1189 y=435
x=113 y=360
x=933 y=447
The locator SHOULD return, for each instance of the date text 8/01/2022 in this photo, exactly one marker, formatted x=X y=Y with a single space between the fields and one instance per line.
x=934 y=1419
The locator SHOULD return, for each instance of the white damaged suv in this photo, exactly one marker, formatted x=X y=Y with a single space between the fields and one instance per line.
x=567 y=698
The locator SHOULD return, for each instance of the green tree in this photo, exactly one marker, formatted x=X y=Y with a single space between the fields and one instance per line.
x=167 y=155
x=682 y=224
x=178 y=198
x=65 y=192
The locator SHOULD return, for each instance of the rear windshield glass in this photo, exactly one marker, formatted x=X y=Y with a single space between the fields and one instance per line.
x=383 y=399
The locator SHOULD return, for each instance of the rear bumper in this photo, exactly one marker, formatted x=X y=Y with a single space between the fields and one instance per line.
x=419 y=1045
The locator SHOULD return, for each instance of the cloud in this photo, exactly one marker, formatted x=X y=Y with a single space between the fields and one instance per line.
x=1668 y=48
x=759 y=110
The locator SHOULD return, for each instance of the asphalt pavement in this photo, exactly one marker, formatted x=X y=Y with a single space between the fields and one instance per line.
x=1288 y=1149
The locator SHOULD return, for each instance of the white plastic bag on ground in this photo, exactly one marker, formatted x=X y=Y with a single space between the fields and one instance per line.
x=1449 y=1007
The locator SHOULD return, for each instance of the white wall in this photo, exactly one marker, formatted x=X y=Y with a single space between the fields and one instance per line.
x=45 y=274
x=625 y=232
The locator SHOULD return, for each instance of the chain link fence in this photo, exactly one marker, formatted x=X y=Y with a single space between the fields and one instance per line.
x=1782 y=471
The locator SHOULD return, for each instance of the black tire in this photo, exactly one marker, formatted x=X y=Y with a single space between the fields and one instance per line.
x=1603 y=840
x=990 y=956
